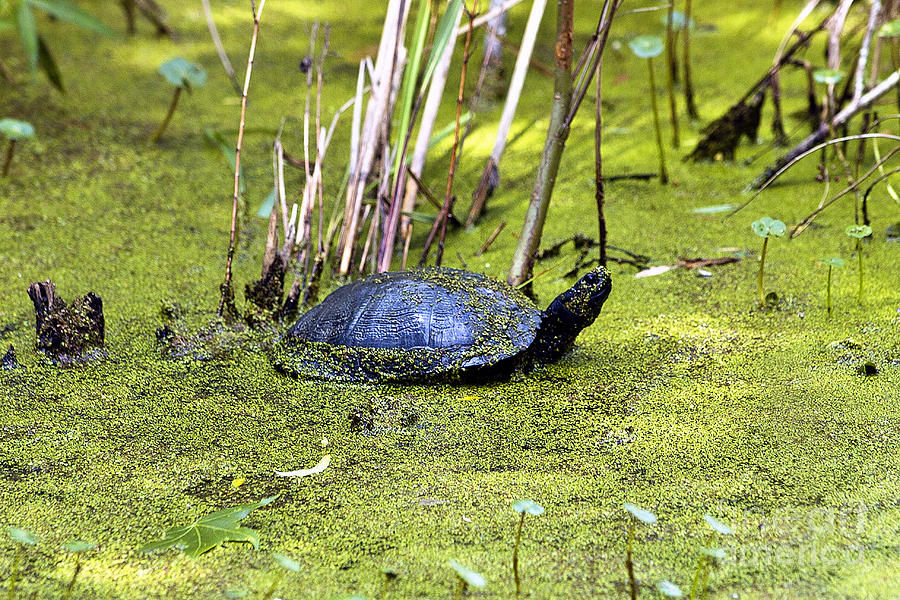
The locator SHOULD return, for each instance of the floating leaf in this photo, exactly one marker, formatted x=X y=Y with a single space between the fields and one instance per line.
x=714 y=553
x=285 y=561
x=23 y=536
x=16 y=130
x=667 y=588
x=646 y=46
x=471 y=577
x=211 y=530
x=238 y=482
x=889 y=29
x=711 y=210
x=717 y=525
x=78 y=546
x=828 y=76
x=858 y=231
x=528 y=506
x=321 y=466
x=832 y=261
x=182 y=73
x=768 y=227
x=642 y=515
x=653 y=271
x=234 y=594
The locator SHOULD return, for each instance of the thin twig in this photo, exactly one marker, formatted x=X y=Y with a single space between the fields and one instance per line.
x=220 y=49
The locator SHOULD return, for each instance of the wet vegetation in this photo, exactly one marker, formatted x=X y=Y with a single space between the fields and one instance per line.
x=155 y=419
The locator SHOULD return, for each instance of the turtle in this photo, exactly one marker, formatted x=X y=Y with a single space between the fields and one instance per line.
x=435 y=324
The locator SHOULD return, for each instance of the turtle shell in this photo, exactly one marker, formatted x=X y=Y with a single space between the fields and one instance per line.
x=411 y=325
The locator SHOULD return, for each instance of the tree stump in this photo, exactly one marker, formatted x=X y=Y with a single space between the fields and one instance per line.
x=67 y=333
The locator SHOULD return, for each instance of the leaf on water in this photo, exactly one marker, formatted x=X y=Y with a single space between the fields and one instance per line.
x=646 y=46
x=78 y=546
x=667 y=588
x=716 y=208
x=528 y=506
x=234 y=594
x=642 y=515
x=828 y=76
x=323 y=464
x=14 y=129
x=831 y=261
x=858 y=231
x=181 y=73
x=718 y=526
x=211 y=530
x=23 y=536
x=287 y=562
x=653 y=271
x=471 y=577
x=714 y=553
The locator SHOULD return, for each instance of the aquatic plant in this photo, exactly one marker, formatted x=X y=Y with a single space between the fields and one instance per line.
x=183 y=75
x=13 y=130
x=831 y=263
x=765 y=228
x=669 y=589
x=648 y=46
x=76 y=547
x=465 y=577
x=289 y=565
x=22 y=538
x=522 y=507
x=390 y=576
x=708 y=556
x=858 y=232
x=646 y=517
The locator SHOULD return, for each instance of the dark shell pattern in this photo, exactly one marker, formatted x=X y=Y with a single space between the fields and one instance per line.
x=410 y=325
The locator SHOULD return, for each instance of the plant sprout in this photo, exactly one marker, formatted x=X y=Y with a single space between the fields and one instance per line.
x=765 y=228
x=858 y=232
x=522 y=507
x=465 y=577
x=648 y=46
x=708 y=555
x=829 y=77
x=22 y=538
x=831 y=263
x=13 y=130
x=183 y=75
x=288 y=564
x=646 y=517
x=76 y=547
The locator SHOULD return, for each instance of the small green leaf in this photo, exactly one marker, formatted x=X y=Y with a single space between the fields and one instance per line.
x=646 y=46
x=181 y=73
x=71 y=13
x=265 y=209
x=48 y=65
x=443 y=35
x=23 y=536
x=768 y=227
x=28 y=33
x=858 y=231
x=77 y=546
x=642 y=515
x=667 y=588
x=471 y=577
x=528 y=506
x=890 y=29
x=14 y=129
x=831 y=261
x=714 y=553
x=718 y=526
x=288 y=563
x=828 y=76
x=210 y=531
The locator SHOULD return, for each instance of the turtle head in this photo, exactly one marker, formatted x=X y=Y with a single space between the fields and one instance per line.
x=569 y=313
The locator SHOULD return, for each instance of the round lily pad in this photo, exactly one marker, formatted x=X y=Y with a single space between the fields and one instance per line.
x=858 y=231
x=642 y=515
x=79 y=546
x=13 y=129
x=182 y=73
x=528 y=506
x=828 y=76
x=831 y=261
x=667 y=588
x=22 y=536
x=646 y=46
x=285 y=561
x=768 y=227
x=718 y=526
x=471 y=577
